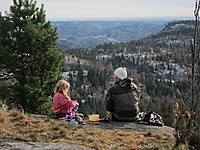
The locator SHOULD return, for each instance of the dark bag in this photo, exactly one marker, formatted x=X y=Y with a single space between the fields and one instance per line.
x=153 y=119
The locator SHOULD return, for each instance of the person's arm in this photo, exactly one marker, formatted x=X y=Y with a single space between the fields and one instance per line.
x=137 y=92
x=67 y=102
x=109 y=102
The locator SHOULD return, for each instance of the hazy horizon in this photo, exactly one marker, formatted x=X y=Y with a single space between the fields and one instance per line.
x=105 y=10
x=122 y=19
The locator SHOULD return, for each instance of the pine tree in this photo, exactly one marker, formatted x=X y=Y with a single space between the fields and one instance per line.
x=29 y=52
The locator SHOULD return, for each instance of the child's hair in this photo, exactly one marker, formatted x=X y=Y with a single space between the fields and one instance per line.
x=61 y=86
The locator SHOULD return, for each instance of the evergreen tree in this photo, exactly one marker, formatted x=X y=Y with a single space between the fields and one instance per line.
x=29 y=52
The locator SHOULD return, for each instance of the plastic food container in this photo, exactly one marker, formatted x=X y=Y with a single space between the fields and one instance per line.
x=93 y=118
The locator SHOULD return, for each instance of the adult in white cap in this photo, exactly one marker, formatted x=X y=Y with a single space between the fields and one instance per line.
x=122 y=98
x=120 y=73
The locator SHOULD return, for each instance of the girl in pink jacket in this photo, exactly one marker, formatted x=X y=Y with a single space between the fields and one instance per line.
x=62 y=104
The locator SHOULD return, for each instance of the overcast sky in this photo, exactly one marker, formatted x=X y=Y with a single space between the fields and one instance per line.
x=98 y=9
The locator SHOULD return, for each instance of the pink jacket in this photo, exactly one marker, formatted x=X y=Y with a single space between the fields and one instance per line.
x=61 y=104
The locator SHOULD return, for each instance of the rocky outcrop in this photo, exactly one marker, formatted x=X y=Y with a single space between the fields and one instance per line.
x=134 y=126
x=125 y=126
x=7 y=144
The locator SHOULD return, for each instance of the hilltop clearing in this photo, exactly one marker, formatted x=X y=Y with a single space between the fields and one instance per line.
x=17 y=126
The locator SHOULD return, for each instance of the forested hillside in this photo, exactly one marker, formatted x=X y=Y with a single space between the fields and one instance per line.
x=159 y=64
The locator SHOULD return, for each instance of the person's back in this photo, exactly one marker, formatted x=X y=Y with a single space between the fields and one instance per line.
x=123 y=98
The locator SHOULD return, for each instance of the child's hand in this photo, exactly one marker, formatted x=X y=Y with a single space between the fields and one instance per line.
x=77 y=104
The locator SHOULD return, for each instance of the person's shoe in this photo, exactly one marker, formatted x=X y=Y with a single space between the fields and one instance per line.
x=104 y=120
x=138 y=120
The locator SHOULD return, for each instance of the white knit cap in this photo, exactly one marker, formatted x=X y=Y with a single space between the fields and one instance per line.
x=121 y=73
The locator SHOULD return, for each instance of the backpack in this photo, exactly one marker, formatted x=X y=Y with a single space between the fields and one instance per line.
x=153 y=118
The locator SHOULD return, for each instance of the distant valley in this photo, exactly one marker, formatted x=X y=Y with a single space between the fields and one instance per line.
x=75 y=34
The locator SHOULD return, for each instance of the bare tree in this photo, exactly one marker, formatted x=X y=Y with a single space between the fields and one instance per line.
x=196 y=66
x=187 y=114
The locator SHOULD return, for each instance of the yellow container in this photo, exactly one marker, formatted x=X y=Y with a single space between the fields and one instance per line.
x=93 y=118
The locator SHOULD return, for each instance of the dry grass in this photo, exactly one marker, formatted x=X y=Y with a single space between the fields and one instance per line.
x=16 y=125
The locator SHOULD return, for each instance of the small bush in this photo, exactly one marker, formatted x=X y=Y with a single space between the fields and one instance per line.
x=194 y=141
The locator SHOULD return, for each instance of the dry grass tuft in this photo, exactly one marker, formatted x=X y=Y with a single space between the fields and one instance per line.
x=3 y=115
x=15 y=124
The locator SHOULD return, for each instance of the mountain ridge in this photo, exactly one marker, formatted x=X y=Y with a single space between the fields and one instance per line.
x=75 y=34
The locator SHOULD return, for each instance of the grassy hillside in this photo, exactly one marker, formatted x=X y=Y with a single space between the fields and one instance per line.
x=16 y=125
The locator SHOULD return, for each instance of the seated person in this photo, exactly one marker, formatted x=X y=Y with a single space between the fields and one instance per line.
x=122 y=99
x=62 y=103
